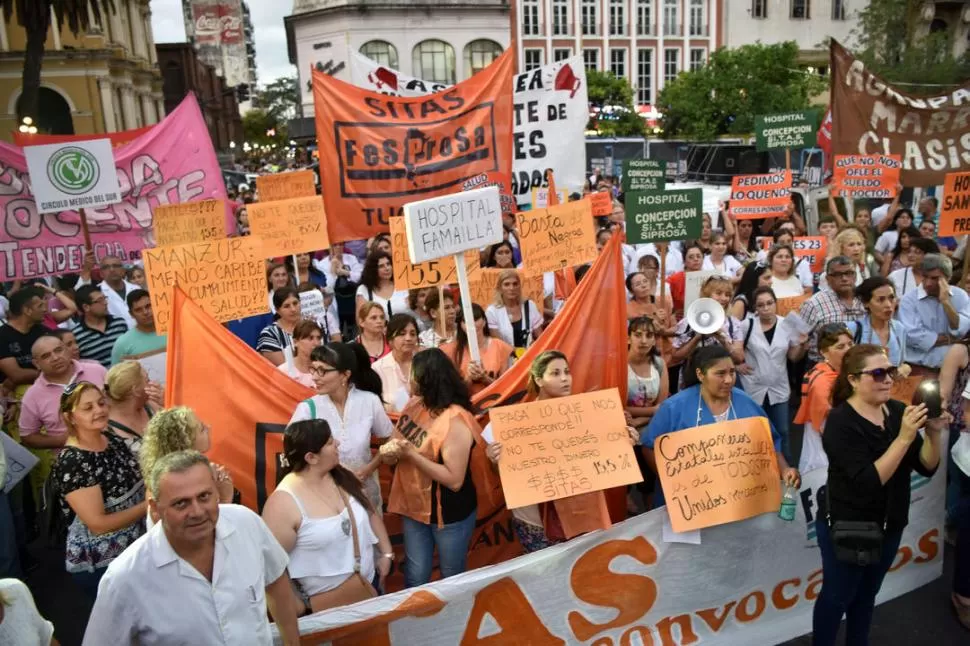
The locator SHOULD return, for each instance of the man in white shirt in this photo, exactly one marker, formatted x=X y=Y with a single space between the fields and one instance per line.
x=204 y=574
x=115 y=288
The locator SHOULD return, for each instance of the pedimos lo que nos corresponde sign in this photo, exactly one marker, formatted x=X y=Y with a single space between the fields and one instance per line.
x=660 y=216
x=452 y=224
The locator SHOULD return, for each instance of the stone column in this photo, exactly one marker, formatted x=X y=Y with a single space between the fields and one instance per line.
x=107 y=105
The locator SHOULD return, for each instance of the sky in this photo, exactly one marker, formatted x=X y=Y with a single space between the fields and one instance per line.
x=271 y=58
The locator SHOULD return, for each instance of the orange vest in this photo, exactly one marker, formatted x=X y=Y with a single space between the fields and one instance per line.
x=816 y=392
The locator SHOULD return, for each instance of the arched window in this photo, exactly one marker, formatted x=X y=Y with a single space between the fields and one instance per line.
x=479 y=53
x=380 y=51
x=434 y=61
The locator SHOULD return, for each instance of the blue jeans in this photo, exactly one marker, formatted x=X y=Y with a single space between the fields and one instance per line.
x=419 y=543
x=9 y=558
x=778 y=416
x=848 y=590
x=88 y=581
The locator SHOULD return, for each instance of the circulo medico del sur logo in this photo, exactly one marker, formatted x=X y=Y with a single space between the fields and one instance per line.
x=73 y=170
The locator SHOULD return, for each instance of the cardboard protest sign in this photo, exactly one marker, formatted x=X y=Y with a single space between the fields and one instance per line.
x=643 y=175
x=760 y=196
x=866 y=176
x=189 y=222
x=558 y=448
x=384 y=151
x=452 y=224
x=810 y=249
x=485 y=282
x=790 y=304
x=660 y=216
x=285 y=186
x=693 y=281
x=19 y=462
x=227 y=278
x=601 y=203
x=540 y=197
x=408 y=275
x=286 y=227
x=789 y=130
x=556 y=237
x=718 y=473
x=955 y=209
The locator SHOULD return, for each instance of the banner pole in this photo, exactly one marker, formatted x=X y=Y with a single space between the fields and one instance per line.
x=788 y=160
x=662 y=248
x=296 y=271
x=466 y=307
x=85 y=231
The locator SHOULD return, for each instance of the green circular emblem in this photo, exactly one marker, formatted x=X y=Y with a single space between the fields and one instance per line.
x=73 y=170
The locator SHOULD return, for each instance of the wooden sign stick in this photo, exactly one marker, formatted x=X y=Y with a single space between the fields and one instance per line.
x=466 y=307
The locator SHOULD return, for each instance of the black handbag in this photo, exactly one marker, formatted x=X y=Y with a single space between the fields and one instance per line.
x=856 y=542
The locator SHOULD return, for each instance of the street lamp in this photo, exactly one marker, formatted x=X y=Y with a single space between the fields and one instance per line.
x=232 y=144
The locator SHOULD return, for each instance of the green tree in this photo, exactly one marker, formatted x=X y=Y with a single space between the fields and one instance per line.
x=894 y=42
x=257 y=123
x=724 y=96
x=35 y=17
x=613 y=96
x=280 y=98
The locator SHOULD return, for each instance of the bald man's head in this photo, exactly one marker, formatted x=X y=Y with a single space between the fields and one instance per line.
x=51 y=356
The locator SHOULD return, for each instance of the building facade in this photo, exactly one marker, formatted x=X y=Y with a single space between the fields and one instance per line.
x=183 y=72
x=439 y=41
x=103 y=80
x=222 y=32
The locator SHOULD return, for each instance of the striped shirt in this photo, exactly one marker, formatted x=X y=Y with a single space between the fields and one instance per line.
x=96 y=345
x=273 y=339
x=826 y=307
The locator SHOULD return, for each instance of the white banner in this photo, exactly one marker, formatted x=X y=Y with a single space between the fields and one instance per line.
x=750 y=582
x=551 y=111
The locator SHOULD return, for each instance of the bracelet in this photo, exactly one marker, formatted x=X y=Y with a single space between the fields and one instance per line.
x=388 y=555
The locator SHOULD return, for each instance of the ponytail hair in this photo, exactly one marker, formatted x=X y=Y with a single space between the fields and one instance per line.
x=701 y=359
x=310 y=436
x=345 y=357
x=538 y=369
x=853 y=363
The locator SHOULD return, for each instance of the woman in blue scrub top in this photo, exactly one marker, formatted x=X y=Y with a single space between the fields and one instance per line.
x=709 y=396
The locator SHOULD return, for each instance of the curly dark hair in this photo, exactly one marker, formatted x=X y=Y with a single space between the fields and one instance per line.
x=368 y=276
x=438 y=382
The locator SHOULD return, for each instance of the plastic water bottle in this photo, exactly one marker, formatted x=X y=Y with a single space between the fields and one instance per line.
x=788 y=504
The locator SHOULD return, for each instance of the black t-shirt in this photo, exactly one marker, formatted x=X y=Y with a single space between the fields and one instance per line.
x=770 y=333
x=455 y=505
x=853 y=444
x=15 y=344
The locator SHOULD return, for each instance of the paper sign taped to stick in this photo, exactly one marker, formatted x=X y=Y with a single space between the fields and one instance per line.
x=19 y=462
x=562 y=447
x=451 y=224
x=760 y=196
x=291 y=226
x=718 y=473
x=644 y=175
x=660 y=216
x=484 y=285
x=557 y=237
x=286 y=186
x=955 y=209
x=226 y=278
x=408 y=275
x=187 y=222
x=866 y=176
x=601 y=202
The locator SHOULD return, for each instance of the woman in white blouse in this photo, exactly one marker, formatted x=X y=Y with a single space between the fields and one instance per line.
x=719 y=260
x=784 y=280
x=377 y=285
x=354 y=415
x=394 y=368
x=513 y=320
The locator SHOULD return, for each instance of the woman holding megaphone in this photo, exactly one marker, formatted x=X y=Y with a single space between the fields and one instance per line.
x=700 y=326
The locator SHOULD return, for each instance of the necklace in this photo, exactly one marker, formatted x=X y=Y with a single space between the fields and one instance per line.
x=344 y=522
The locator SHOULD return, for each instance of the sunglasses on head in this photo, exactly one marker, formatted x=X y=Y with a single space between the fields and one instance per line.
x=72 y=388
x=880 y=374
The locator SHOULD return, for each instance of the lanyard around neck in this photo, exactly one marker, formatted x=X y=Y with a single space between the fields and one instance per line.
x=701 y=404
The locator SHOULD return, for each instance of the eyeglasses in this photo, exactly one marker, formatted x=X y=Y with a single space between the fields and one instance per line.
x=112 y=266
x=880 y=374
x=843 y=274
x=321 y=372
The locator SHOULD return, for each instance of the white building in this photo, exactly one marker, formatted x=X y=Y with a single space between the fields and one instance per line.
x=436 y=40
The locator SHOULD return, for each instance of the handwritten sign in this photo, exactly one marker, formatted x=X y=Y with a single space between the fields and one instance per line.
x=760 y=196
x=19 y=462
x=718 y=473
x=562 y=447
x=791 y=304
x=291 y=226
x=450 y=224
x=601 y=203
x=540 y=197
x=557 y=237
x=285 y=186
x=408 y=275
x=311 y=305
x=189 y=222
x=660 y=216
x=643 y=175
x=866 y=176
x=485 y=283
x=955 y=210
x=226 y=278
x=693 y=281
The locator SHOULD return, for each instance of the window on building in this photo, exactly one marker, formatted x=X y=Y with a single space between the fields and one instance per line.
x=801 y=9
x=589 y=17
x=759 y=8
x=380 y=51
x=561 y=54
x=617 y=17
x=671 y=62
x=560 y=17
x=618 y=62
x=533 y=59
x=697 y=27
x=434 y=61
x=697 y=59
x=838 y=9
x=671 y=20
x=478 y=55
x=591 y=59
x=530 y=17
x=644 y=76
x=644 y=17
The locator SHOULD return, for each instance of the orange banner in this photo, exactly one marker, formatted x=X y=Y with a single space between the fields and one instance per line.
x=791 y=304
x=286 y=227
x=189 y=222
x=866 y=176
x=760 y=196
x=117 y=138
x=385 y=151
x=441 y=271
x=285 y=186
x=955 y=209
x=601 y=203
x=811 y=248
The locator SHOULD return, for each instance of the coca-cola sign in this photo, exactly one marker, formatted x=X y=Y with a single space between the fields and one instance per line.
x=230 y=16
x=208 y=26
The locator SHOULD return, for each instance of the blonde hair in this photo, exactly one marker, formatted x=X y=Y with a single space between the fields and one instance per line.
x=503 y=276
x=122 y=379
x=715 y=280
x=365 y=309
x=169 y=430
x=842 y=237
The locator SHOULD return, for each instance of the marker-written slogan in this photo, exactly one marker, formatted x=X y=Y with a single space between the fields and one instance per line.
x=868 y=176
x=556 y=237
x=718 y=473
x=563 y=447
x=199 y=221
x=451 y=224
x=409 y=275
x=760 y=196
x=298 y=225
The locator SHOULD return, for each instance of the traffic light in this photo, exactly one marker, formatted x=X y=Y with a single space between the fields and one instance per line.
x=242 y=93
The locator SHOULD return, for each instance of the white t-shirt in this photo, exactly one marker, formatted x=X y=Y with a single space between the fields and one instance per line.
x=398 y=300
x=787 y=287
x=729 y=266
x=22 y=625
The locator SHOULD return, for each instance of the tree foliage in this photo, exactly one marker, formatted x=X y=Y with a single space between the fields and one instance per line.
x=895 y=43
x=279 y=98
x=258 y=122
x=724 y=96
x=613 y=96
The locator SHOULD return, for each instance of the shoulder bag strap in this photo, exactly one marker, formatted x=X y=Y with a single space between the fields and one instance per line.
x=527 y=332
x=312 y=405
x=353 y=529
x=747 y=335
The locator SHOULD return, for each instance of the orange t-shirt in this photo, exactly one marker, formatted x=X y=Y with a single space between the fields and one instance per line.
x=495 y=360
x=816 y=396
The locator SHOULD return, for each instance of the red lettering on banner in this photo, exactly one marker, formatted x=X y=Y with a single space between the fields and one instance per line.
x=778 y=598
x=815 y=585
x=512 y=612
x=742 y=614
x=929 y=546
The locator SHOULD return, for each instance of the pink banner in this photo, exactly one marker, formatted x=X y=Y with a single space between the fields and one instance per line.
x=173 y=162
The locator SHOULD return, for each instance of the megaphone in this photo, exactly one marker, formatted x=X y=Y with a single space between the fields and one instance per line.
x=705 y=316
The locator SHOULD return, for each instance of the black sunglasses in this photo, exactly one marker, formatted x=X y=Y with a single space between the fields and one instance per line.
x=72 y=388
x=880 y=374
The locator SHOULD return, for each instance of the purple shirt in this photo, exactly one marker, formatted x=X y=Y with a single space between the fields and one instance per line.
x=40 y=407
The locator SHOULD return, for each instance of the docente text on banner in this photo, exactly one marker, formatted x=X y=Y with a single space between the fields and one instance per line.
x=386 y=151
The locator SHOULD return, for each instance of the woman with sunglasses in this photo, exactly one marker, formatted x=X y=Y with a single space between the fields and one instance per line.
x=873 y=444
x=354 y=415
x=101 y=491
